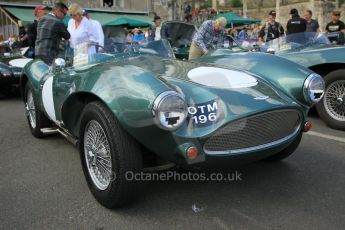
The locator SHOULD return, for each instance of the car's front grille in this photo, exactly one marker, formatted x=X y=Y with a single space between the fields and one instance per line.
x=255 y=132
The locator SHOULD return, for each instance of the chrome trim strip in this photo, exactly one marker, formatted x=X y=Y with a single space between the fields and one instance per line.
x=255 y=148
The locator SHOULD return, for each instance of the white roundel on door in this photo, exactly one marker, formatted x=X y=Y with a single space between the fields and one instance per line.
x=221 y=78
x=47 y=98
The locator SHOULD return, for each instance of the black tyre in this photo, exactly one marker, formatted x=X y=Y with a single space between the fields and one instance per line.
x=107 y=153
x=36 y=119
x=332 y=107
x=287 y=151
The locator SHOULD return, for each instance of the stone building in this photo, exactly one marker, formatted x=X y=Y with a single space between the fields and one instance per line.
x=322 y=9
x=173 y=9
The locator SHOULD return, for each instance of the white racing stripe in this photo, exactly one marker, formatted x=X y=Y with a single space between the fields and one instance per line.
x=330 y=137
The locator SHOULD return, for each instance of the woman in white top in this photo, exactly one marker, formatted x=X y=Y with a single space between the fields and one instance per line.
x=80 y=28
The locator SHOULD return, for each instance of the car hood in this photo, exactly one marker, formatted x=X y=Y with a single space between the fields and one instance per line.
x=312 y=57
x=234 y=93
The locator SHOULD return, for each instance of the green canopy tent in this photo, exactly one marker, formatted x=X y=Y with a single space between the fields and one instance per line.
x=129 y=22
x=26 y=14
x=236 y=20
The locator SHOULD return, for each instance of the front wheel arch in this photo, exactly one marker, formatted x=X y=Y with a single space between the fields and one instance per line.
x=324 y=69
x=72 y=109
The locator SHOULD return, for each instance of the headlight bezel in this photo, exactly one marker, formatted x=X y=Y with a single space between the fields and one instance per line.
x=308 y=93
x=158 y=102
x=6 y=73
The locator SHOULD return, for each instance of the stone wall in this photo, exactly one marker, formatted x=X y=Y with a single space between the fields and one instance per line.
x=322 y=11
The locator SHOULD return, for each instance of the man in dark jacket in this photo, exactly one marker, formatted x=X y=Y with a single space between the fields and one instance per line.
x=272 y=29
x=39 y=12
x=296 y=24
x=50 y=31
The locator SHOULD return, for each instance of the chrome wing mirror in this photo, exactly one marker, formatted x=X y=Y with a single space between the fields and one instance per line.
x=59 y=65
x=271 y=51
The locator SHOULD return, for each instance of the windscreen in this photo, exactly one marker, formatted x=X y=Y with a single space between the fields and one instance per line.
x=89 y=53
x=297 y=41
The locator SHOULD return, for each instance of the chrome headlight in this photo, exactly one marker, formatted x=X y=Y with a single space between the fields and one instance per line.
x=314 y=88
x=169 y=110
x=5 y=73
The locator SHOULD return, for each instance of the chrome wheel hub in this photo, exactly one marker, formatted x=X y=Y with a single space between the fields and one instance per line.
x=334 y=101
x=340 y=101
x=30 y=109
x=97 y=155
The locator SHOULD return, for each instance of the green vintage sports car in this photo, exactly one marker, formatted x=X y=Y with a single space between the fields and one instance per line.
x=121 y=109
x=316 y=52
x=11 y=64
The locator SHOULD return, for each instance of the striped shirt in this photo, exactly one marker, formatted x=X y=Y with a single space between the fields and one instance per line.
x=206 y=37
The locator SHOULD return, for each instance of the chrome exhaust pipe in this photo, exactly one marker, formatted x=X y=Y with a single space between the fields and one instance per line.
x=63 y=132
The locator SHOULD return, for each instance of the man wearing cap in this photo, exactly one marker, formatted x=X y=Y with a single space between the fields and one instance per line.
x=209 y=35
x=50 y=31
x=96 y=27
x=296 y=24
x=272 y=29
x=335 y=26
x=39 y=12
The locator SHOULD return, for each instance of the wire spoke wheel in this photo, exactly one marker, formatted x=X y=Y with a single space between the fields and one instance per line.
x=107 y=153
x=334 y=101
x=97 y=155
x=30 y=109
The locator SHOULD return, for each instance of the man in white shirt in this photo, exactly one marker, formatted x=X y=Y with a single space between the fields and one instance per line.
x=96 y=27
x=157 y=21
x=156 y=33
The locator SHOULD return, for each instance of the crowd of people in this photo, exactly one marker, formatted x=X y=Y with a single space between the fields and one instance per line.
x=211 y=32
x=198 y=15
x=297 y=24
x=44 y=35
x=272 y=29
x=48 y=35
